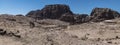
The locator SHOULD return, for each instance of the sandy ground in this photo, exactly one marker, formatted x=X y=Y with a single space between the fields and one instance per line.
x=100 y=33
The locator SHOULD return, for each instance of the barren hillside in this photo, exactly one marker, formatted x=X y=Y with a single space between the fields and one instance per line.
x=57 y=25
x=16 y=31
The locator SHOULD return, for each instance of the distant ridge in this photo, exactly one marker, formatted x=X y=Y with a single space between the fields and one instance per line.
x=63 y=12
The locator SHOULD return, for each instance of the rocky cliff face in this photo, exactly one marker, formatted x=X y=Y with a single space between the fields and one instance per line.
x=100 y=14
x=74 y=18
x=63 y=13
x=57 y=11
x=81 y=18
x=35 y=14
x=67 y=18
x=50 y=11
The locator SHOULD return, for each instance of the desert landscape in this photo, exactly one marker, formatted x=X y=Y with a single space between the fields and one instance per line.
x=57 y=25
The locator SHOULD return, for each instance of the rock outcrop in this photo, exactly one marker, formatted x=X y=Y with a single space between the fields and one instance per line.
x=50 y=11
x=100 y=14
x=19 y=15
x=63 y=13
x=35 y=14
x=81 y=18
x=75 y=18
x=68 y=18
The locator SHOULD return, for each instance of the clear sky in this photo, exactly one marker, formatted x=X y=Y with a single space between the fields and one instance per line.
x=77 y=6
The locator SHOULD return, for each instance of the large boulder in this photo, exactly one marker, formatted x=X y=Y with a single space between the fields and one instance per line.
x=100 y=14
x=51 y=11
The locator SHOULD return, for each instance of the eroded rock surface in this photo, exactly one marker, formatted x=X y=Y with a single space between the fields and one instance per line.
x=50 y=11
x=100 y=14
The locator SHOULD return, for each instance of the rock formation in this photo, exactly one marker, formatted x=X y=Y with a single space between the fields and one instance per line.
x=67 y=18
x=35 y=14
x=50 y=11
x=63 y=13
x=74 y=18
x=81 y=18
x=100 y=14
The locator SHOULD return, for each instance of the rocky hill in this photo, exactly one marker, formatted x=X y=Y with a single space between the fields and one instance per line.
x=52 y=26
x=50 y=11
x=100 y=14
x=63 y=13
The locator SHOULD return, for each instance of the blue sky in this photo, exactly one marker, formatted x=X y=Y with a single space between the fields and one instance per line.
x=77 y=6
